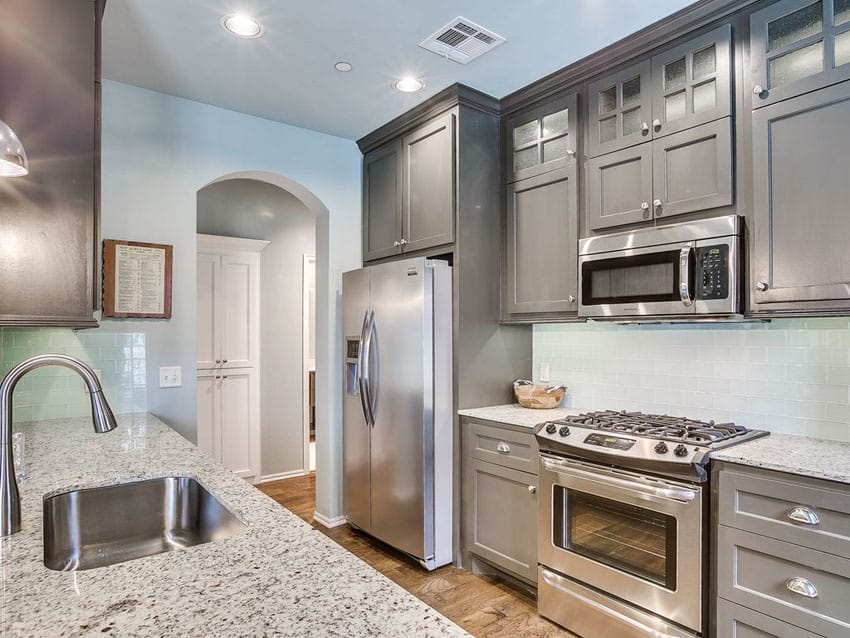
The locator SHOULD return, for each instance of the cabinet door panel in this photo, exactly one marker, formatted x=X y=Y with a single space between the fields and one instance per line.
x=800 y=194
x=542 y=139
x=619 y=110
x=692 y=169
x=619 y=187
x=692 y=82
x=209 y=413
x=429 y=178
x=208 y=278
x=239 y=300
x=542 y=242
x=735 y=621
x=240 y=423
x=502 y=519
x=382 y=202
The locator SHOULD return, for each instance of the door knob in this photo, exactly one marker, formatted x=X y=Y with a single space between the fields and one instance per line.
x=758 y=89
x=532 y=489
x=762 y=286
x=571 y=298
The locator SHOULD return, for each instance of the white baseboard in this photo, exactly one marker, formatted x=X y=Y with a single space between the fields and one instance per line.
x=268 y=478
x=328 y=522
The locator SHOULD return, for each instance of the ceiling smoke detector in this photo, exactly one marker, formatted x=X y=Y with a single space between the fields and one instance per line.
x=461 y=40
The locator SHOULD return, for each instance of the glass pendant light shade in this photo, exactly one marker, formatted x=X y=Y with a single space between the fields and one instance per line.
x=13 y=157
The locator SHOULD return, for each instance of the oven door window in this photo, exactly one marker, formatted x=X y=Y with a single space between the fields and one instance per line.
x=631 y=539
x=645 y=278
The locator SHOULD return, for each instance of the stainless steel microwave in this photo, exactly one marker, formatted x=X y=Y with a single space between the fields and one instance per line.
x=676 y=271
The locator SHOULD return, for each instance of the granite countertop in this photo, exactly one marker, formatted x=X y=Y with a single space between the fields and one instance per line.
x=279 y=577
x=804 y=455
x=515 y=414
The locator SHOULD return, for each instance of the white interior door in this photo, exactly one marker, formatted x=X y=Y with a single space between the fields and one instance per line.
x=209 y=413
x=240 y=303
x=240 y=423
x=208 y=278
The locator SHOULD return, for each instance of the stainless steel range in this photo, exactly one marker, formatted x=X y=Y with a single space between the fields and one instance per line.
x=623 y=529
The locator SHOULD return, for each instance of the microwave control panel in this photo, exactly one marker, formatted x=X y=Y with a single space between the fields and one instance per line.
x=712 y=276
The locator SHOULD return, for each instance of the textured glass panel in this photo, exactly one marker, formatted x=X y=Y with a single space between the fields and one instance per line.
x=705 y=63
x=674 y=106
x=795 y=65
x=631 y=92
x=842 y=11
x=608 y=129
x=842 y=48
x=674 y=75
x=556 y=149
x=556 y=123
x=526 y=158
x=608 y=100
x=525 y=133
x=705 y=96
x=795 y=26
x=631 y=122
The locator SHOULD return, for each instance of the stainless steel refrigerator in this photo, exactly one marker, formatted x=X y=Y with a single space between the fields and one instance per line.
x=397 y=405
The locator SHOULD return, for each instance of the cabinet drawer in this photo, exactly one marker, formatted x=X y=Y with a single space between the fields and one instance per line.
x=734 y=621
x=769 y=506
x=502 y=446
x=756 y=572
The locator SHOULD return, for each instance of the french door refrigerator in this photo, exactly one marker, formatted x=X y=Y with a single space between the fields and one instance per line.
x=397 y=405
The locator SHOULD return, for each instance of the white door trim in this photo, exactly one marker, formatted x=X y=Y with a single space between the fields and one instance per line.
x=309 y=261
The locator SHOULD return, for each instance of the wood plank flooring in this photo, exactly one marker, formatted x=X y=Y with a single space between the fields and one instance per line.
x=482 y=605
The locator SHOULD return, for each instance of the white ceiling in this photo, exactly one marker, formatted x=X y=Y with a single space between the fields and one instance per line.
x=177 y=47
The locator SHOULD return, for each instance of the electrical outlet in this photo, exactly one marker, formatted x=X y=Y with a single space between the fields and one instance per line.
x=171 y=377
x=544 y=372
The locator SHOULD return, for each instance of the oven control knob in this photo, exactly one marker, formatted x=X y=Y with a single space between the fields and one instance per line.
x=680 y=450
x=564 y=431
x=551 y=427
x=661 y=448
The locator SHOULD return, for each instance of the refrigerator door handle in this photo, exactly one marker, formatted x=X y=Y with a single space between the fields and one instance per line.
x=363 y=372
x=372 y=381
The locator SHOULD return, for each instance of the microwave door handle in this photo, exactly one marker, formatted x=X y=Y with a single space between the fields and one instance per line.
x=685 y=275
x=363 y=372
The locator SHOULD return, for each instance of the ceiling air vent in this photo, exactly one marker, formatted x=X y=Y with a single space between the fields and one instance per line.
x=462 y=40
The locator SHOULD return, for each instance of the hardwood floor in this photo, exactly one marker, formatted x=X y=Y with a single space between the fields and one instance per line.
x=482 y=605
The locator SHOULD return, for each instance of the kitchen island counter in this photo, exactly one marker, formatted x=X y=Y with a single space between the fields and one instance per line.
x=279 y=577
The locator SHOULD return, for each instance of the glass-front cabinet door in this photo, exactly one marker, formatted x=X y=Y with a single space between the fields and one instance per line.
x=692 y=82
x=543 y=138
x=620 y=110
x=797 y=46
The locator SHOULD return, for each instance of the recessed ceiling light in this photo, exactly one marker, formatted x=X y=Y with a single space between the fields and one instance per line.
x=409 y=85
x=242 y=25
x=344 y=67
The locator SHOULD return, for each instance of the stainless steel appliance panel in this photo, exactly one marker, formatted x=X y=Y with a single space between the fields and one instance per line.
x=355 y=428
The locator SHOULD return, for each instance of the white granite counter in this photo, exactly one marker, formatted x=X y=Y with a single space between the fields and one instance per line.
x=515 y=414
x=804 y=455
x=278 y=578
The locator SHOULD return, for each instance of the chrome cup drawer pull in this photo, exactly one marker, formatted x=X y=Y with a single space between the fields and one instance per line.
x=802 y=586
x=800 y=514
x=503 y=448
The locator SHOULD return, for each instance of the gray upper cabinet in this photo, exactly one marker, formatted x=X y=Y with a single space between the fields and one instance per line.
x=797 y=46
x=619 y=187
x=428 y=186
x=382 y=202
x=542 y=139
x=49 y=95
x=619 y=110
x=692 y=82
x=542 y=242
x=800 y=194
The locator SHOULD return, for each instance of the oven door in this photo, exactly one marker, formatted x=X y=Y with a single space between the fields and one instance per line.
x=634 y=537
x=658 y=280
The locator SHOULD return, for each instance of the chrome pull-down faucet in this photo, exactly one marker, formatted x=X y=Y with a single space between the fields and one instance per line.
x=101 y=414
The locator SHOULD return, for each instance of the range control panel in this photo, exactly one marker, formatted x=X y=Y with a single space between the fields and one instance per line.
x=606 y=440
x=712 y=276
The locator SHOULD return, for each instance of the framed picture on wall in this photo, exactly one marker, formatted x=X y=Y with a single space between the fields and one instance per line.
x=136 y=279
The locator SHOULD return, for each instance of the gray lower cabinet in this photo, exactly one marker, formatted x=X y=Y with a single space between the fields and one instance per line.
x=382 y=202
x=500 y=497
x=800 y=192
x=50 y=96
x=783 y=554
x=542 y=238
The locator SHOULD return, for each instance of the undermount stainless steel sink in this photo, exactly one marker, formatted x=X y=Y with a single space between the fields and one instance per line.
x=89 y=528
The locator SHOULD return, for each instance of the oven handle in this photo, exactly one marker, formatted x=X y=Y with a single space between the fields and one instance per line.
x=563 y=466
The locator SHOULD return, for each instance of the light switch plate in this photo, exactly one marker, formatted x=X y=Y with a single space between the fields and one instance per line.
x=170 y=377
x=544 y=372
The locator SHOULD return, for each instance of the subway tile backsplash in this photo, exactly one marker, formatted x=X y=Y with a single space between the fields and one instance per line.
x=788 y=375
x=54 y=392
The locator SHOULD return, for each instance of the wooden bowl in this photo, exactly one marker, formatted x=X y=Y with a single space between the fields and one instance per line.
x=538 y=396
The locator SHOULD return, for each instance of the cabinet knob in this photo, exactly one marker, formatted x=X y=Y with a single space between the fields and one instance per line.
x=218 y=360
x=503 y=448
x=658 y=207
x=532 y=489
x=758 y=89
x=644 y=128
x=644 y=206
x=656 y=124
x=762 y=286
x=571 y=298
x=224 y=377
x=802 y=586
x=801 y=514
x=402 y=242
x=571 y=152
x=396 y=243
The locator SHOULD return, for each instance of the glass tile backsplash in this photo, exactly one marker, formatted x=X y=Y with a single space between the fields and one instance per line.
x=789 y=375
x=53 y=392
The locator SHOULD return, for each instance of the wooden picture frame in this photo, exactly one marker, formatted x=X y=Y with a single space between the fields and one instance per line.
x=137 y=279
